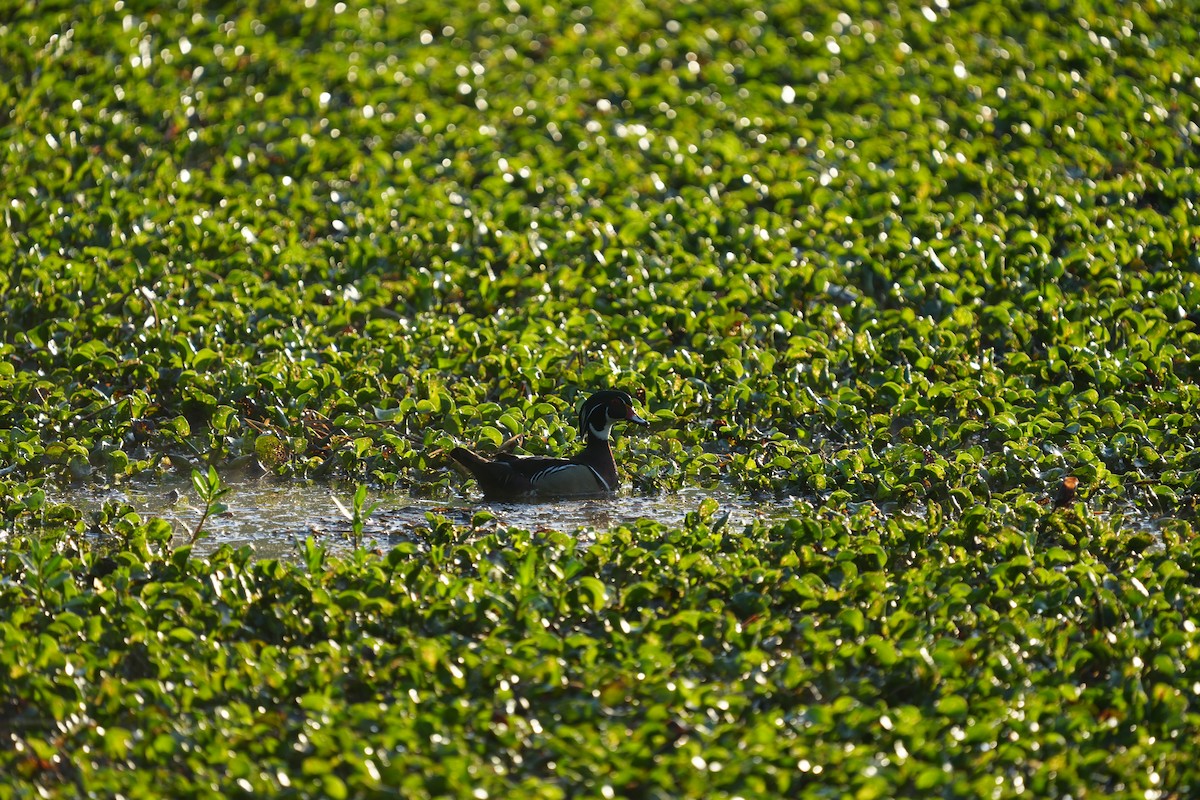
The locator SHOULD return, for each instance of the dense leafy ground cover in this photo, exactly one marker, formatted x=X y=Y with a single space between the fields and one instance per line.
x=912 y=264
x=846 y=657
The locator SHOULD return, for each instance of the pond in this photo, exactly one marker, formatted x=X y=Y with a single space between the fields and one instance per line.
x=271 y=516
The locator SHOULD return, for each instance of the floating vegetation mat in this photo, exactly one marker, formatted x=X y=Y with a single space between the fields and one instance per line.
x=907 y=292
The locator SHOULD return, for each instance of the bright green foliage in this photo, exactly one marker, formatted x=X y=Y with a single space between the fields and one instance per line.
x=210 y=491
x=896 y=252
x=852 y=656
x=908 y=257
x=357 y=514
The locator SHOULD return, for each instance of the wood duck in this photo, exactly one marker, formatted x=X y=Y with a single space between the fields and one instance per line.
x=592 y=471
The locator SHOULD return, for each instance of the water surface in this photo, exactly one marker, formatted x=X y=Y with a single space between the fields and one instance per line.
x=271 y=516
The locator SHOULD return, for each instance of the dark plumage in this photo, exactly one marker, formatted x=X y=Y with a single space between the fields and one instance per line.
x=592 y=471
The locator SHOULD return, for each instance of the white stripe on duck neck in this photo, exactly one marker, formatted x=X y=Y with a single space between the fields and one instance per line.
x=601 y=433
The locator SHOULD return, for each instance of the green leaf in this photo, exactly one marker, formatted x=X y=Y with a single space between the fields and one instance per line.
x=593 y=592
x=952 y=706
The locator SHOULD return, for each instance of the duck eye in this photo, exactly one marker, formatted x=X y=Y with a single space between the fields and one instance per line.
x=616 y=409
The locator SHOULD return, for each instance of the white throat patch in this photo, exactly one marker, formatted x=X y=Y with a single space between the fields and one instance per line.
x=601 y=433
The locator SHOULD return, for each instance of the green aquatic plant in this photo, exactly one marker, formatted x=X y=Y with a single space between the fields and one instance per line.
x=209 y=489
x=906 y=268
x=357 y=514
x=895 y=258
x=879 y=655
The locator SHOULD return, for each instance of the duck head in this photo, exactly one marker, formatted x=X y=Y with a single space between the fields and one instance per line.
x=604 y=408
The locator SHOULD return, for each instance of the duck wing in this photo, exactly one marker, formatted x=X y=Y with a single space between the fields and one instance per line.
x=497 y=478
x=557 y=476
x=509 y=476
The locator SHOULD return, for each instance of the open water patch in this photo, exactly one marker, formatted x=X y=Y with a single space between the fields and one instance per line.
x=272 y=516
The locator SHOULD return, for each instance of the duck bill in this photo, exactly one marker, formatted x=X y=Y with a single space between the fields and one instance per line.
x=635 y=419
